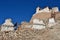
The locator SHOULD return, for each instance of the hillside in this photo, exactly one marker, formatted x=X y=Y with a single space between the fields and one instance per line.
x=52 y=33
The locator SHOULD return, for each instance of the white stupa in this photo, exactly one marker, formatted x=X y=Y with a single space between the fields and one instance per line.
x=38 y=24
x=45 y=10
x=8 y=22
x=51 y=22
x=55 y=9
x=7 y=25
x=38 y=10
x=37 y=21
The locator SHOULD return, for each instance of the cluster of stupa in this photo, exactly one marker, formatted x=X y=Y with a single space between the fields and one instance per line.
x=45 y=17
x=41 y=19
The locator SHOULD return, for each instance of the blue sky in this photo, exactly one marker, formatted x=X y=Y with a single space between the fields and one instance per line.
x=22 y=10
